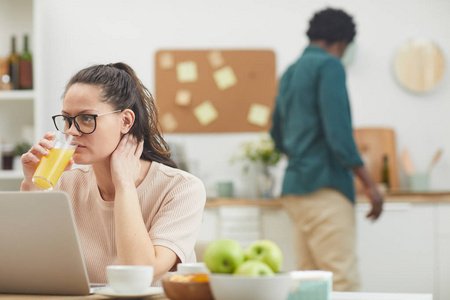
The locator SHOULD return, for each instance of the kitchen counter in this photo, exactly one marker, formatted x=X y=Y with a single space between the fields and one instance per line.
x=412 y=234
x=334 y=296
x=399 y=196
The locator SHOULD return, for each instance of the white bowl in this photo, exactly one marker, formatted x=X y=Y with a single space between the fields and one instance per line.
x=228 y=286
x=190 y=268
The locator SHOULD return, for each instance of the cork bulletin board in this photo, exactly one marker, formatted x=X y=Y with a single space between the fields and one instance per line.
x=213 y=91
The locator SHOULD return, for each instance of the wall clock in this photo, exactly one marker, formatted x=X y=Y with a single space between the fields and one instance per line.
x=419 y=65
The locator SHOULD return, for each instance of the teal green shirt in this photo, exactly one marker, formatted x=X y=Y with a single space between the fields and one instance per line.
x=312 y=126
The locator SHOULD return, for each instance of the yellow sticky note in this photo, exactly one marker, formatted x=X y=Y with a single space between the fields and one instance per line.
x=166 y=61
x=183 y=97
x=187 y=71
x=215 y=59
x=205 y=113
x=169 y=122
x=258 y=115
x=225 y=78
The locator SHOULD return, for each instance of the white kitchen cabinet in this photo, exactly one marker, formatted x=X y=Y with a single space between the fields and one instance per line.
x=231 y=222
x=247 y=224
x=17 y=114
x=16 y=106
x=16 y=117
x=210 y=225
x=276 y=226
x=442 y=285
x=397 y=252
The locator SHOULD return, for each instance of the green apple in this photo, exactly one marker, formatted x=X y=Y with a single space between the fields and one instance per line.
x=253 y=268
x=266 y=251
x=223 y=255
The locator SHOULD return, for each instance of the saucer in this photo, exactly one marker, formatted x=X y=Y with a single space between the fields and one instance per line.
x=109 y=292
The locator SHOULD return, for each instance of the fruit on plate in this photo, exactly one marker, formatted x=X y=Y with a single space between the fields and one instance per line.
x=266 y=251
x=253 y=268
x=223 y=255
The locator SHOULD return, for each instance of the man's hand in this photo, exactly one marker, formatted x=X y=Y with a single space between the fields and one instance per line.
x=377 y=203
x=371 y=191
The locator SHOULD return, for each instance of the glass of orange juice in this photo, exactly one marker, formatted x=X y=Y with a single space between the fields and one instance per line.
x=52 y=165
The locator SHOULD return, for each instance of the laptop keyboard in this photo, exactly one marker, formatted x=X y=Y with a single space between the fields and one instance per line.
x=93 y=287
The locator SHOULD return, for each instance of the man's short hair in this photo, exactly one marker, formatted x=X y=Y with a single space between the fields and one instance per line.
x=331 y=25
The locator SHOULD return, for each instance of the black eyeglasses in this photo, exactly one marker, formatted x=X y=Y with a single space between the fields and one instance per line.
x=85 y=123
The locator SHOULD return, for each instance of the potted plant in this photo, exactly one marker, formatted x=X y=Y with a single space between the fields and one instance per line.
x=18 y=150
x=262 y=154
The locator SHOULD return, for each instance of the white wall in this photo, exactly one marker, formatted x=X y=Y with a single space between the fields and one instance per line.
x=75 y=34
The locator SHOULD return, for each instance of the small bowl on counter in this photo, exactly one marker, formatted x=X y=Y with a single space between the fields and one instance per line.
x=187 y=287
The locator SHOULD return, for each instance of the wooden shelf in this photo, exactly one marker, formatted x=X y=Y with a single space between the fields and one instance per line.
x=17 y=95
x=11 y=174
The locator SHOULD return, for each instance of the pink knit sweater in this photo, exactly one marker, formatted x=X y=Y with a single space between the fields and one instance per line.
x=172 y=203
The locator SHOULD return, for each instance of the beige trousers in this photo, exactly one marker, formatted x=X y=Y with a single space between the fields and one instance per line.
x=325 y=235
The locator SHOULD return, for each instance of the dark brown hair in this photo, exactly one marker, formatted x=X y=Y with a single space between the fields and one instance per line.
x=123 y=90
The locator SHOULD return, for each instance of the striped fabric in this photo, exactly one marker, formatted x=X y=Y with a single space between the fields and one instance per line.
x=172 y=203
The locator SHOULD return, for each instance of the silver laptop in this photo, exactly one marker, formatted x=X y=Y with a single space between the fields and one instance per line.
x=40 y=251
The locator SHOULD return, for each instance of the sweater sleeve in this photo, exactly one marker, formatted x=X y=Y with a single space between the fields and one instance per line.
x=178 y=221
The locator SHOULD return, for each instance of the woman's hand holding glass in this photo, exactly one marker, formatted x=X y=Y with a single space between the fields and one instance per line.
x=31 y=159
x=125 y=160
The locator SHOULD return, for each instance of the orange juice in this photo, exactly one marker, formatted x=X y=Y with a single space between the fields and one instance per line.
x=51 y=167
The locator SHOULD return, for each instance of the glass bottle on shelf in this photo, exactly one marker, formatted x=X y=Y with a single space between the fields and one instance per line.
x=385 y=172
x=368 y=164
x=7 y=157
x=13 y=61
x=25 y=67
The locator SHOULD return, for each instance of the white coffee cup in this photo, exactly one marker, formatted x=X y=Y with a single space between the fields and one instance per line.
x=190 y=268
x=129 y=279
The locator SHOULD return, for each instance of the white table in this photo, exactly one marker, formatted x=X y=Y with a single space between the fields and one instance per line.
x=378 y=296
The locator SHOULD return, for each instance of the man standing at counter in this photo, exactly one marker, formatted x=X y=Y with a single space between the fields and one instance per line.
x=312 y=126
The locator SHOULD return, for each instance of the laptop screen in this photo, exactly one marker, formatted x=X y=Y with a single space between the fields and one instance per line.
x=40 y=251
